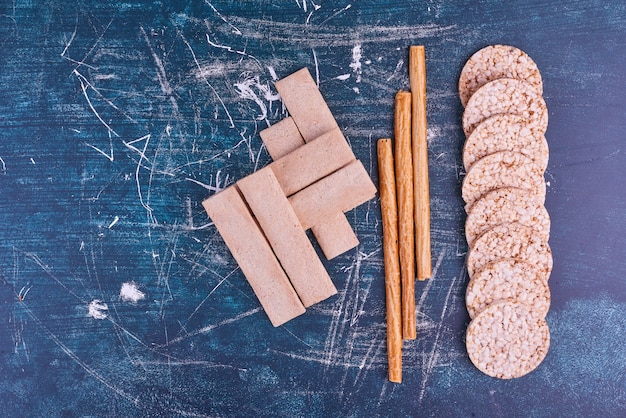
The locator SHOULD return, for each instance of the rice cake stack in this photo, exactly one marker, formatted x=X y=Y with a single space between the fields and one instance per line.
x=507 y=227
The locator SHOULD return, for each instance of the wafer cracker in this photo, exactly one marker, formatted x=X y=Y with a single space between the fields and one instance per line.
x=505 y=96
x=504 y=205
x=506 y=132
x=503 y=169
x=510 y=280
x=494 y=62
x=512 y=240
x=507 y=340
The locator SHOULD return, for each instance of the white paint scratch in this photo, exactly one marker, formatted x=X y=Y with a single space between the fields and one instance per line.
x=234 y=28
x=338 y=12
x=130 y=293
x=317 y=68
x=91 y=371
x=3 y=165
x=429 y=283
x=97 y=309
x=115 y=220
x=108 y=156
x=84 y=85
x=396 y=70
x=247 y=89
x=223 y=279
x=82 y=62
x=166 y=88
x=209 y=328
x=356 y=61
x=142 y=156
x=201 y=74
x=23 y=292
x=433 y=358
x=272 y=72
x=343 y=77
x=231 y=49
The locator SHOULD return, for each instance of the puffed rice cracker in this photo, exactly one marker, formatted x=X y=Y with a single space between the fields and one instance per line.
x=511 y=280
x=507 y=340
x=494 y=62
x=512 y=240
x=502 y=169
x=506 y=132
x=504 y=205
x=508 y=96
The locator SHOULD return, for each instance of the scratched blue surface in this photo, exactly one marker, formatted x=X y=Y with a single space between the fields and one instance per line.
x=118 y=119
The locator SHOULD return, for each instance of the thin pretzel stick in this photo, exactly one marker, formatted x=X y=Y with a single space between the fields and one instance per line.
x=406 y=230
x=390 y=254
x=417 y=79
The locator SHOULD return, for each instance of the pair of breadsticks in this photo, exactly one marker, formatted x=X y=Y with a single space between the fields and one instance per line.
x=405 y=206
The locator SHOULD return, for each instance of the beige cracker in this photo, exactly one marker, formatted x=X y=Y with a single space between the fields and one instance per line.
x=503 y=169
x=506 y=132
x=509 y=280
x=504 y=205
x=507 y=340
x=512 y=240
x=505 y=95
x=494 y=62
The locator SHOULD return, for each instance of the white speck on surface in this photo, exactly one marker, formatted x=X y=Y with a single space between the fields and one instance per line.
x=97 y=309
x=343 y=77
x=130 y=293
x=356 y=61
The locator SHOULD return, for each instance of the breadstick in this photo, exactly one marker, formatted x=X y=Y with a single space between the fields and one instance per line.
x=417 y=79
x=404 y=187
x=391 y=259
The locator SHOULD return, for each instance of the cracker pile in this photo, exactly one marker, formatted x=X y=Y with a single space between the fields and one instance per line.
x=507 y=227
x=314 y=179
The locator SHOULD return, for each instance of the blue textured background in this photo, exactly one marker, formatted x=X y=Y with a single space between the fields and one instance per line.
x=118 y=119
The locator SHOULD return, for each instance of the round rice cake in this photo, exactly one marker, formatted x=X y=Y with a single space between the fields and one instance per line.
x=505 y=96
x=494 y=62
x=507 y=340
x=505 y=132
x=505 y=205
x=503 y=169
x=512 y=240
x=510 y=280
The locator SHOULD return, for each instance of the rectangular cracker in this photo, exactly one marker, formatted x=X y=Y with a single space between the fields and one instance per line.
x=341 y=191
x=282 y=228
x=335 y=235
x=305 y=104
x=282 y=138
x=254 y=255
x=312 y=161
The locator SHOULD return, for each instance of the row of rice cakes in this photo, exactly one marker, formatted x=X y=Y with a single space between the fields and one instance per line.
x=507 y=227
